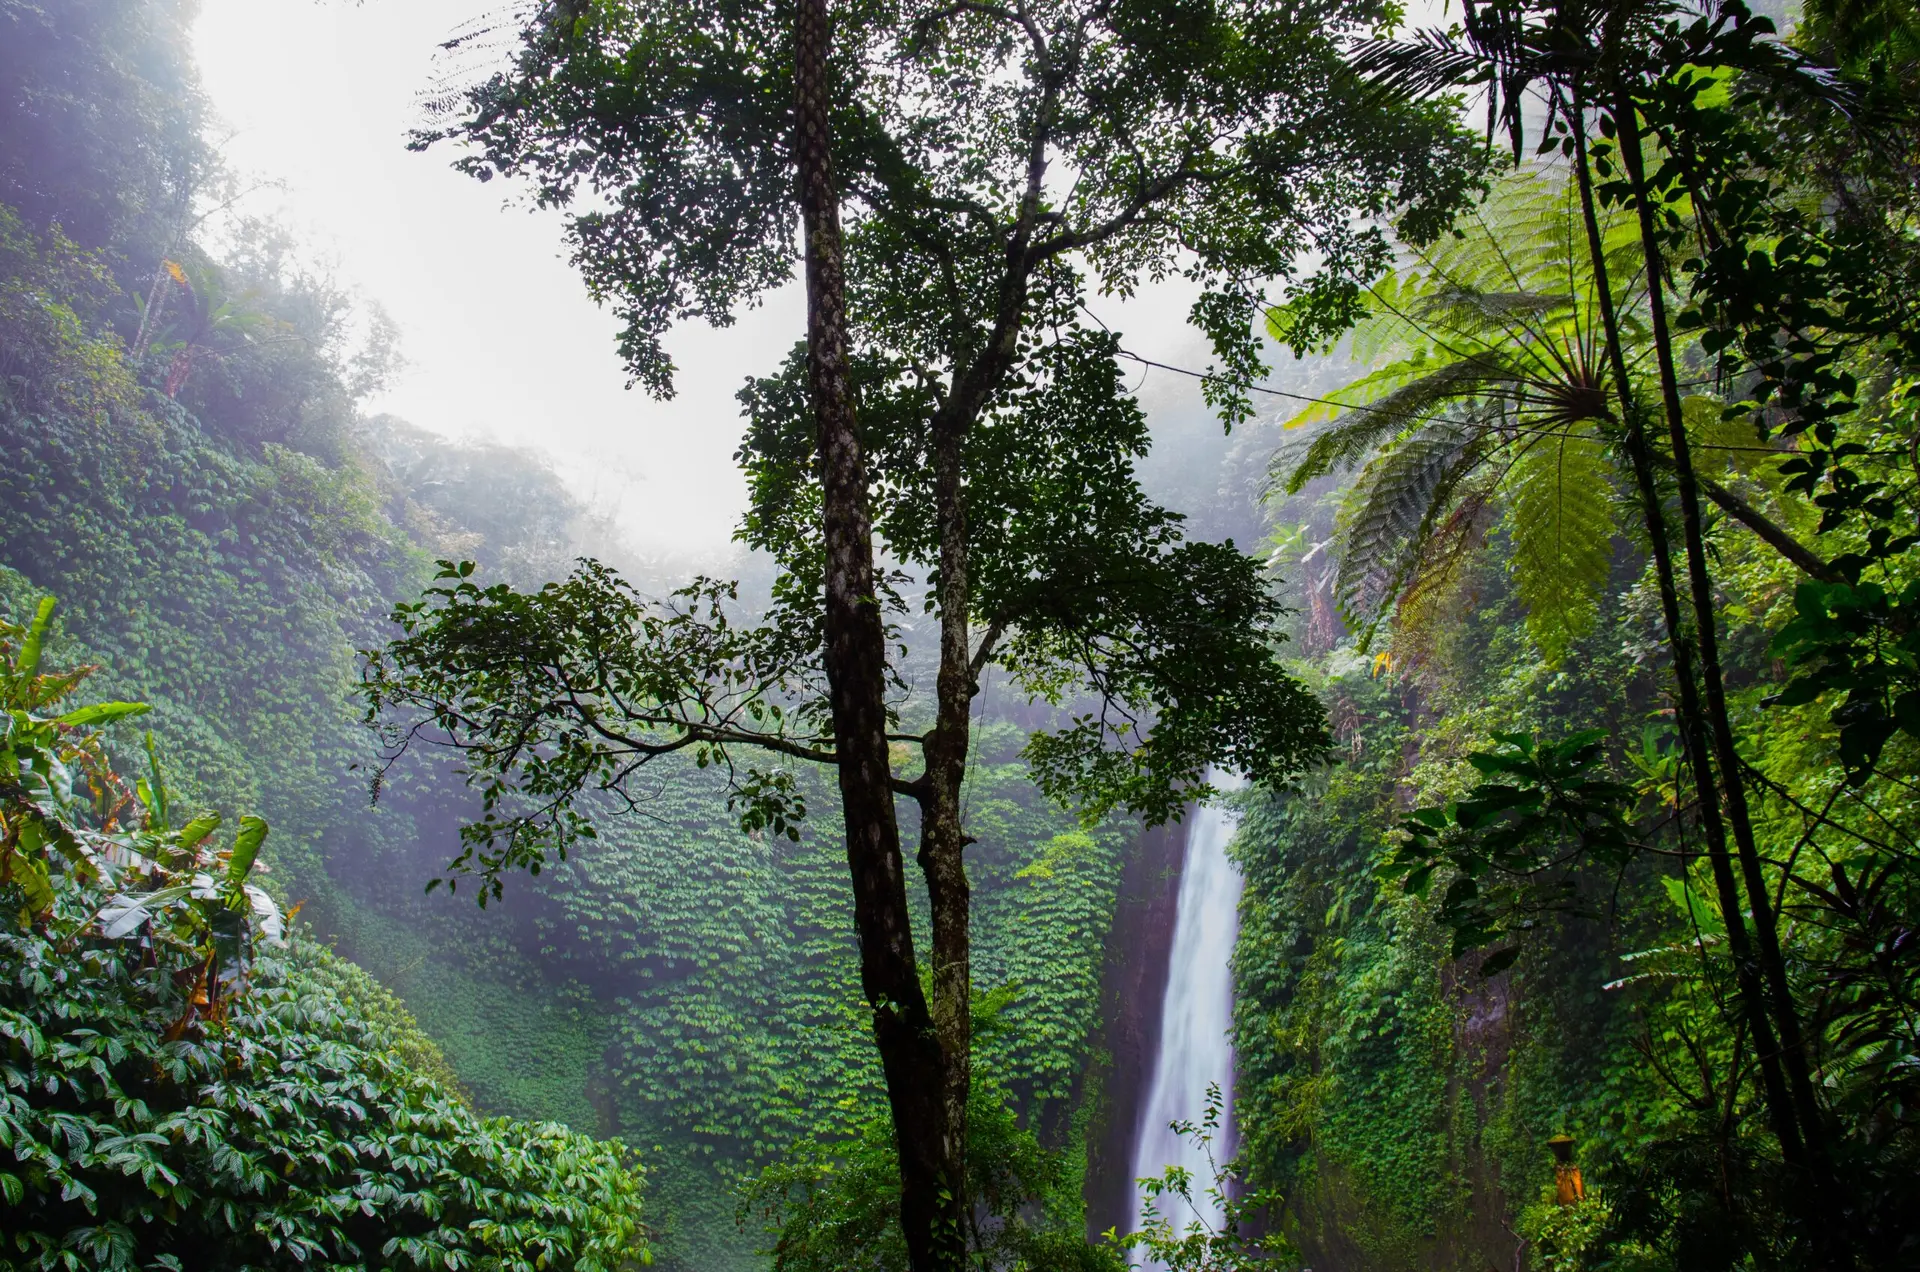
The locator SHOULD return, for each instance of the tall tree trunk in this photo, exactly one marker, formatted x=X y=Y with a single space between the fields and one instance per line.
x=1786 y=1017
x=943 y=838
x=910 y=1049
x=1692 y=723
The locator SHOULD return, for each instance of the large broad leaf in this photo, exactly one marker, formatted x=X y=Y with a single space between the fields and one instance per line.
x=122 y=916
x=266 y=913
x=1703 y=917
x=35 y=644
x=194 y=832
x=34 y=879
x=17 y=685
x=102 y=713
x=246 y=847
x=1561 y=516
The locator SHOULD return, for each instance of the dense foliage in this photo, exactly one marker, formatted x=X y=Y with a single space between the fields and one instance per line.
x=221 y=552
x=955 y=411
x=1655 y=887
x=182 y=1088
x=1601 y=521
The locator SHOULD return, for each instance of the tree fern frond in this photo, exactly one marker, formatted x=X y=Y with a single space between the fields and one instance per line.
x=1452 y=301
x=1398 y=499
x=1719 y=443
x=1429 y=597
x=1559 y=511
x=1357 y=432
x=1430 y=62
x=1369 y=388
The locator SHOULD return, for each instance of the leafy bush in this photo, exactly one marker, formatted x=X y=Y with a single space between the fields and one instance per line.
x=834 y=1206
x=184 y=1087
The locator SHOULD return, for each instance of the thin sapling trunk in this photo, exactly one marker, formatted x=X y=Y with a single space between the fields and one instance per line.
x=1690 y=718
x=1786 y=1017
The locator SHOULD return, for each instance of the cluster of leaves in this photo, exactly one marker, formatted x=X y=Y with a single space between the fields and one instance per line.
x=176 y=1090
x=1857 y=641
x=833 y=1205
x=1798 y=303
x=577 y=686
x=1216 y=1233
x=1087 y=591
x=1518 y=843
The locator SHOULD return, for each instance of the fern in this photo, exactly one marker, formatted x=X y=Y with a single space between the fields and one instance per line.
x=1561 y=518
x=1431 y=593
x=1406 y=407
x=1719 y=443
x=1496 y=333
x=1399 y=497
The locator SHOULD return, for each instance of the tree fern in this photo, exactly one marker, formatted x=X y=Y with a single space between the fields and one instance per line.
x=1380 y=416
x=1482 y=347
x=1560 y=514
x=1395 y=504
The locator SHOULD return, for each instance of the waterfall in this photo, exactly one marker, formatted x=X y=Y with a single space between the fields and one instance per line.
x=1194 y=1048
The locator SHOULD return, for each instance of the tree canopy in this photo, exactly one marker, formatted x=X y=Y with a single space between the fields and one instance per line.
x=992 y=164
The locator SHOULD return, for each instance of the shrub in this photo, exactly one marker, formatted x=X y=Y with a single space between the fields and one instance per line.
x=183 y=1086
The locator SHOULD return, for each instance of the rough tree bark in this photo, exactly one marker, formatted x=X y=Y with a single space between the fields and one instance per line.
x=943 y=837
x=914 y=1061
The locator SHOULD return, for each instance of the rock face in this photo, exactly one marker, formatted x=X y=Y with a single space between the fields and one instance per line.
x=1133 y=985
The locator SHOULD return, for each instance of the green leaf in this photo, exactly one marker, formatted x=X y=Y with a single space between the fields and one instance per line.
x=1906 y=711
x=122 y=916
x=1561 y=520
x=267 y=914
x=196 y=831
x=159 y=809
x=30 y=873
x=1696 y=911
x=246 y=847
x=27 y=665
x=102 y=713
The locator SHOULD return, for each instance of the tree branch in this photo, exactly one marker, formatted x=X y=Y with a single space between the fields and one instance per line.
x=1774 y=535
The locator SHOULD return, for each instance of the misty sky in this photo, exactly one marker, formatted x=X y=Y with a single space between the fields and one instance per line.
x=501 y=340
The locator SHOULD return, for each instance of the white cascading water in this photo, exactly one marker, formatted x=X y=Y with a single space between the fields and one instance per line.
x=1195 y=1048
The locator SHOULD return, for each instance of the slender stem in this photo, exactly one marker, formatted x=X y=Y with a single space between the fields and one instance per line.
x=1780 y=1108
x=1786 y=1018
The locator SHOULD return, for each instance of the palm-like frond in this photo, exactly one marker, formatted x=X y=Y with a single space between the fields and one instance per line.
x=1561 y=516
x=1382 y=406
x=1401 y=495
x=1484 y=347
x=1431 y=62
x=1428 y=598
